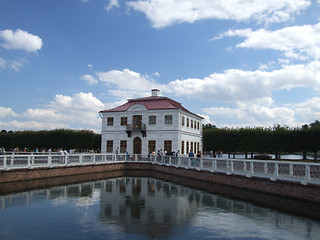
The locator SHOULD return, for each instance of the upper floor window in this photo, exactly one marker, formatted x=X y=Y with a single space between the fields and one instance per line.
x=182 y=120
x=124 y=121
x=168 y=119
x=198 y=126
x=152 y=120
x=110 y=121
x=191 y=123
x=187 y=122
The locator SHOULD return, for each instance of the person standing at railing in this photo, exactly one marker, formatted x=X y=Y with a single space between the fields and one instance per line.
x=61 y=156
x=198 y=158
x=3 y=151
x=191 y=156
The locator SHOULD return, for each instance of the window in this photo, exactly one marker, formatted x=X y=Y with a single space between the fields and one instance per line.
x=198 y=126
x=182 y=120
x=191 y=146
x=152 y=146
x=123 y=146
x=182 y=147
x=187 y=149
x=110 y=121
x=198 y=146
x=168 y=146
x=124 y=121
x=187 y=122
x=109 y=146
x=152 y=120
x=191 y=123
x=168 y=119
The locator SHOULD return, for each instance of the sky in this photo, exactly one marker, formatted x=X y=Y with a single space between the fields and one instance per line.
x=237 y=63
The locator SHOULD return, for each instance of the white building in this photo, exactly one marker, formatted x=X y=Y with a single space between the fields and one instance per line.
x=148 y=124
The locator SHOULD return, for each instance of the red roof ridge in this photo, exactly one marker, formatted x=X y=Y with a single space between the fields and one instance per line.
x=164 y=103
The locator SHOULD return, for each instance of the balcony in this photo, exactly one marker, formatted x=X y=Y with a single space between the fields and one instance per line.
x=136 y=128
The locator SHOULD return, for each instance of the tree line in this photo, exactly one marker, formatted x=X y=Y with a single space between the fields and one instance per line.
x=82 y=140
x=276 y=140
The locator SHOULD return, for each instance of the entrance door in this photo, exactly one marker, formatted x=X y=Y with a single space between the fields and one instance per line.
x=137 y=145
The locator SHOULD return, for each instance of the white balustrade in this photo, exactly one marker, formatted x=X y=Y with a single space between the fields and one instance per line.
x=304 y=173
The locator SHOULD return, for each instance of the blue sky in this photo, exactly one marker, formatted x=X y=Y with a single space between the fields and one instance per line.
x=237 y=63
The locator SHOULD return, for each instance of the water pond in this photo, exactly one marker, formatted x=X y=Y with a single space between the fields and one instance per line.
x=143 y=208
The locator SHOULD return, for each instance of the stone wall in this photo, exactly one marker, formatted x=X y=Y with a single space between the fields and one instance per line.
x=14 y=179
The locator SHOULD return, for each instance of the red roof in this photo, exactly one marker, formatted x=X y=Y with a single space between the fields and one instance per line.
x=150 y=103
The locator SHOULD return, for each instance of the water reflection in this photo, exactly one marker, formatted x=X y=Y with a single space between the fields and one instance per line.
x=144 y=208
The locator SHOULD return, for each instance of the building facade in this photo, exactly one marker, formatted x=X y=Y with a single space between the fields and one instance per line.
x=148 y=124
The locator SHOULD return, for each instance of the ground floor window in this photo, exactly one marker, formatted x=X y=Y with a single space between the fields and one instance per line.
x=182 y=147
x=109 y=146
x=123 y=146
x=187 y=149
x=168 y=146
x=152 y=146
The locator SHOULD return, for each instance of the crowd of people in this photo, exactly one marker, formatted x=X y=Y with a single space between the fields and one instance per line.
x=60 y=151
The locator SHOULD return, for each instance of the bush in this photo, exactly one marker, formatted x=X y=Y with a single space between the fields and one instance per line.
x=262 y=157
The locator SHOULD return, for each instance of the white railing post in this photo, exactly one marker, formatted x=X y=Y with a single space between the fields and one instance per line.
x=80 y=159
x=201 y=163
x=66 y=160
x=230 y=167
x=179 y=162
x=49 y=160
x=265 y=168
x=5 y=162
x=291 y=169
x=11 y=161
x=307 y=175
x=214 y=165
x=29 y=161
x=170 y=160
x=276 y=172
x=251 y=172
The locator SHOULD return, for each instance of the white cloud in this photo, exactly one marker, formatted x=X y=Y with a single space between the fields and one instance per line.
x=308 y=110
x=20 y=40
x=239 y=85
x=78 y=111
x=129 y=80
x=7 y=112
x=296 y=42
x=89 y=79
x=112 y=4
x=3 y=63
x=255 y=114
x=17 y=64
x=168 y=12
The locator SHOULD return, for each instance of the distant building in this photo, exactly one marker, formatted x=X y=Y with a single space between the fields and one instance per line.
x=148 y=124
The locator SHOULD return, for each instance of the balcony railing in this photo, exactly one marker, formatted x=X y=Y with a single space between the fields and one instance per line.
x=136 y=127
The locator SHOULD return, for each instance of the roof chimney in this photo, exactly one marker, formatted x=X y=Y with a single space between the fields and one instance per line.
x=155 y=92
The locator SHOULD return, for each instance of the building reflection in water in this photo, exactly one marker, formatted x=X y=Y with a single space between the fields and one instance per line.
x=145 y=205
x=156 y=208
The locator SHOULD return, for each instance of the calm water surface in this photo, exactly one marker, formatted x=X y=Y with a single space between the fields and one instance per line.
x=143 y=208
